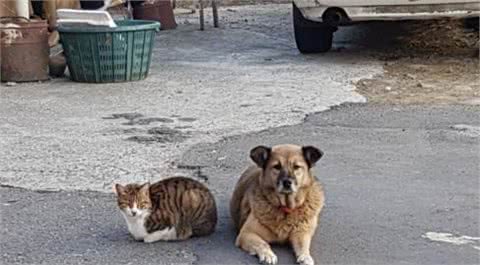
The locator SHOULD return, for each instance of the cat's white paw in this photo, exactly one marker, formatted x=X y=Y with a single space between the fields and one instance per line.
x=150 y=239
x=163 y=235
x=267 y=257
x=305 y=260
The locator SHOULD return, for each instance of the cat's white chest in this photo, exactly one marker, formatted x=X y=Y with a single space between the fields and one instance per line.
x=136 y=226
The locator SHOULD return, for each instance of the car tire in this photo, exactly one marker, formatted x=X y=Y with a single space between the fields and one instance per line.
x=311 y=36
x=472 y=23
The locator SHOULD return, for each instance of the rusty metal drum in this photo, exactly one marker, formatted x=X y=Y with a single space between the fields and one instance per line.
x=24 y=49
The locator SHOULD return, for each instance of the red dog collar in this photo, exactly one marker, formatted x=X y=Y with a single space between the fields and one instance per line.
x=286 y=210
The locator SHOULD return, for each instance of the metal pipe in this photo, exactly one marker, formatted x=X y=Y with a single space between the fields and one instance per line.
x=21 y=7
x=215 y=13
x=202 y=19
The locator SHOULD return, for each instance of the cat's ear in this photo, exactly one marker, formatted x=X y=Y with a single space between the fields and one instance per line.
x=119 y=189
x=145 y=189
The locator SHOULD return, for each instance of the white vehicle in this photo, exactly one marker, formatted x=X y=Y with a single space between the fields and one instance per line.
x=315 y=21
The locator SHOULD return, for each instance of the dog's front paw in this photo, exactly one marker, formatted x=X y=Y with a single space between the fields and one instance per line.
x=267 y=256
x=305 y=260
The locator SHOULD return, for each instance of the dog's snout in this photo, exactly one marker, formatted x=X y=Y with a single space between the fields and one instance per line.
x=134 y=212
x=287 y=183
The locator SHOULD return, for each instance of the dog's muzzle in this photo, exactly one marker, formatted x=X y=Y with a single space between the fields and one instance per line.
x=286 y=185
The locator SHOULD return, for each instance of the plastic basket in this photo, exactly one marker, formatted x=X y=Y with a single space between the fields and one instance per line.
x=103 y=55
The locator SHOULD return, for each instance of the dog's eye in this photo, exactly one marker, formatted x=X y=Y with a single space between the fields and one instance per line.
x=277 y=167
x=295 y=167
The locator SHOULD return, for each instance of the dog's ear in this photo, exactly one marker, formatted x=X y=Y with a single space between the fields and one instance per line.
x=260 y=155
x=311 y=155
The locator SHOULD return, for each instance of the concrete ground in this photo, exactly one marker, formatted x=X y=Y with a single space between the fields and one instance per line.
x=202 y=86
x=401 y=181
x=391 y=175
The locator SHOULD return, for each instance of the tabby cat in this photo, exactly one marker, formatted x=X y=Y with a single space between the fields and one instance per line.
x=171 y=209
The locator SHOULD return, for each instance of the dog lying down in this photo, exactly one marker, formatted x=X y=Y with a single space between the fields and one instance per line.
x=278 y=200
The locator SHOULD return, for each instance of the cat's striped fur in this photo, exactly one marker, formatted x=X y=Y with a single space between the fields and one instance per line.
x=171 y=209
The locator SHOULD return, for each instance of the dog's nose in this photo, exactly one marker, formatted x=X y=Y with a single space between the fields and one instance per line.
x=287 y=184
x=134 y=213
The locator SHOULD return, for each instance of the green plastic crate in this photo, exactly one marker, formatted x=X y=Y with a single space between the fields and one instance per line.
x=104 y=55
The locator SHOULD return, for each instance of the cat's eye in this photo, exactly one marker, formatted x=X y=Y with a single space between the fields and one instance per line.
x=277 y=167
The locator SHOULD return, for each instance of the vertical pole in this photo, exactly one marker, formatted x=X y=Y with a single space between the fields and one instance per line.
x=22 y=8
x=202 y=21
x=215 y=13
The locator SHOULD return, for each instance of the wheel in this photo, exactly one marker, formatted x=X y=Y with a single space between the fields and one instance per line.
x=472 y=23
x=311 y=36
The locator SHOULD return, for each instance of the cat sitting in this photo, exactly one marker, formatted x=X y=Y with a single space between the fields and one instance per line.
x=171 y=209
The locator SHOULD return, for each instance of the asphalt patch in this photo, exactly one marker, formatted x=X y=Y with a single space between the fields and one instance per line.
x=160 y=135
x=128 y=116
x=147 y=121
x=132 y=130
x=187 y=119
x=197 y=171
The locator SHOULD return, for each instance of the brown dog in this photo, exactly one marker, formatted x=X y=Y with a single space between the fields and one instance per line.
x=278 y=200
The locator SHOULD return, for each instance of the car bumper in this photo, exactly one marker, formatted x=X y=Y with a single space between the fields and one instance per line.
x=314 y=10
